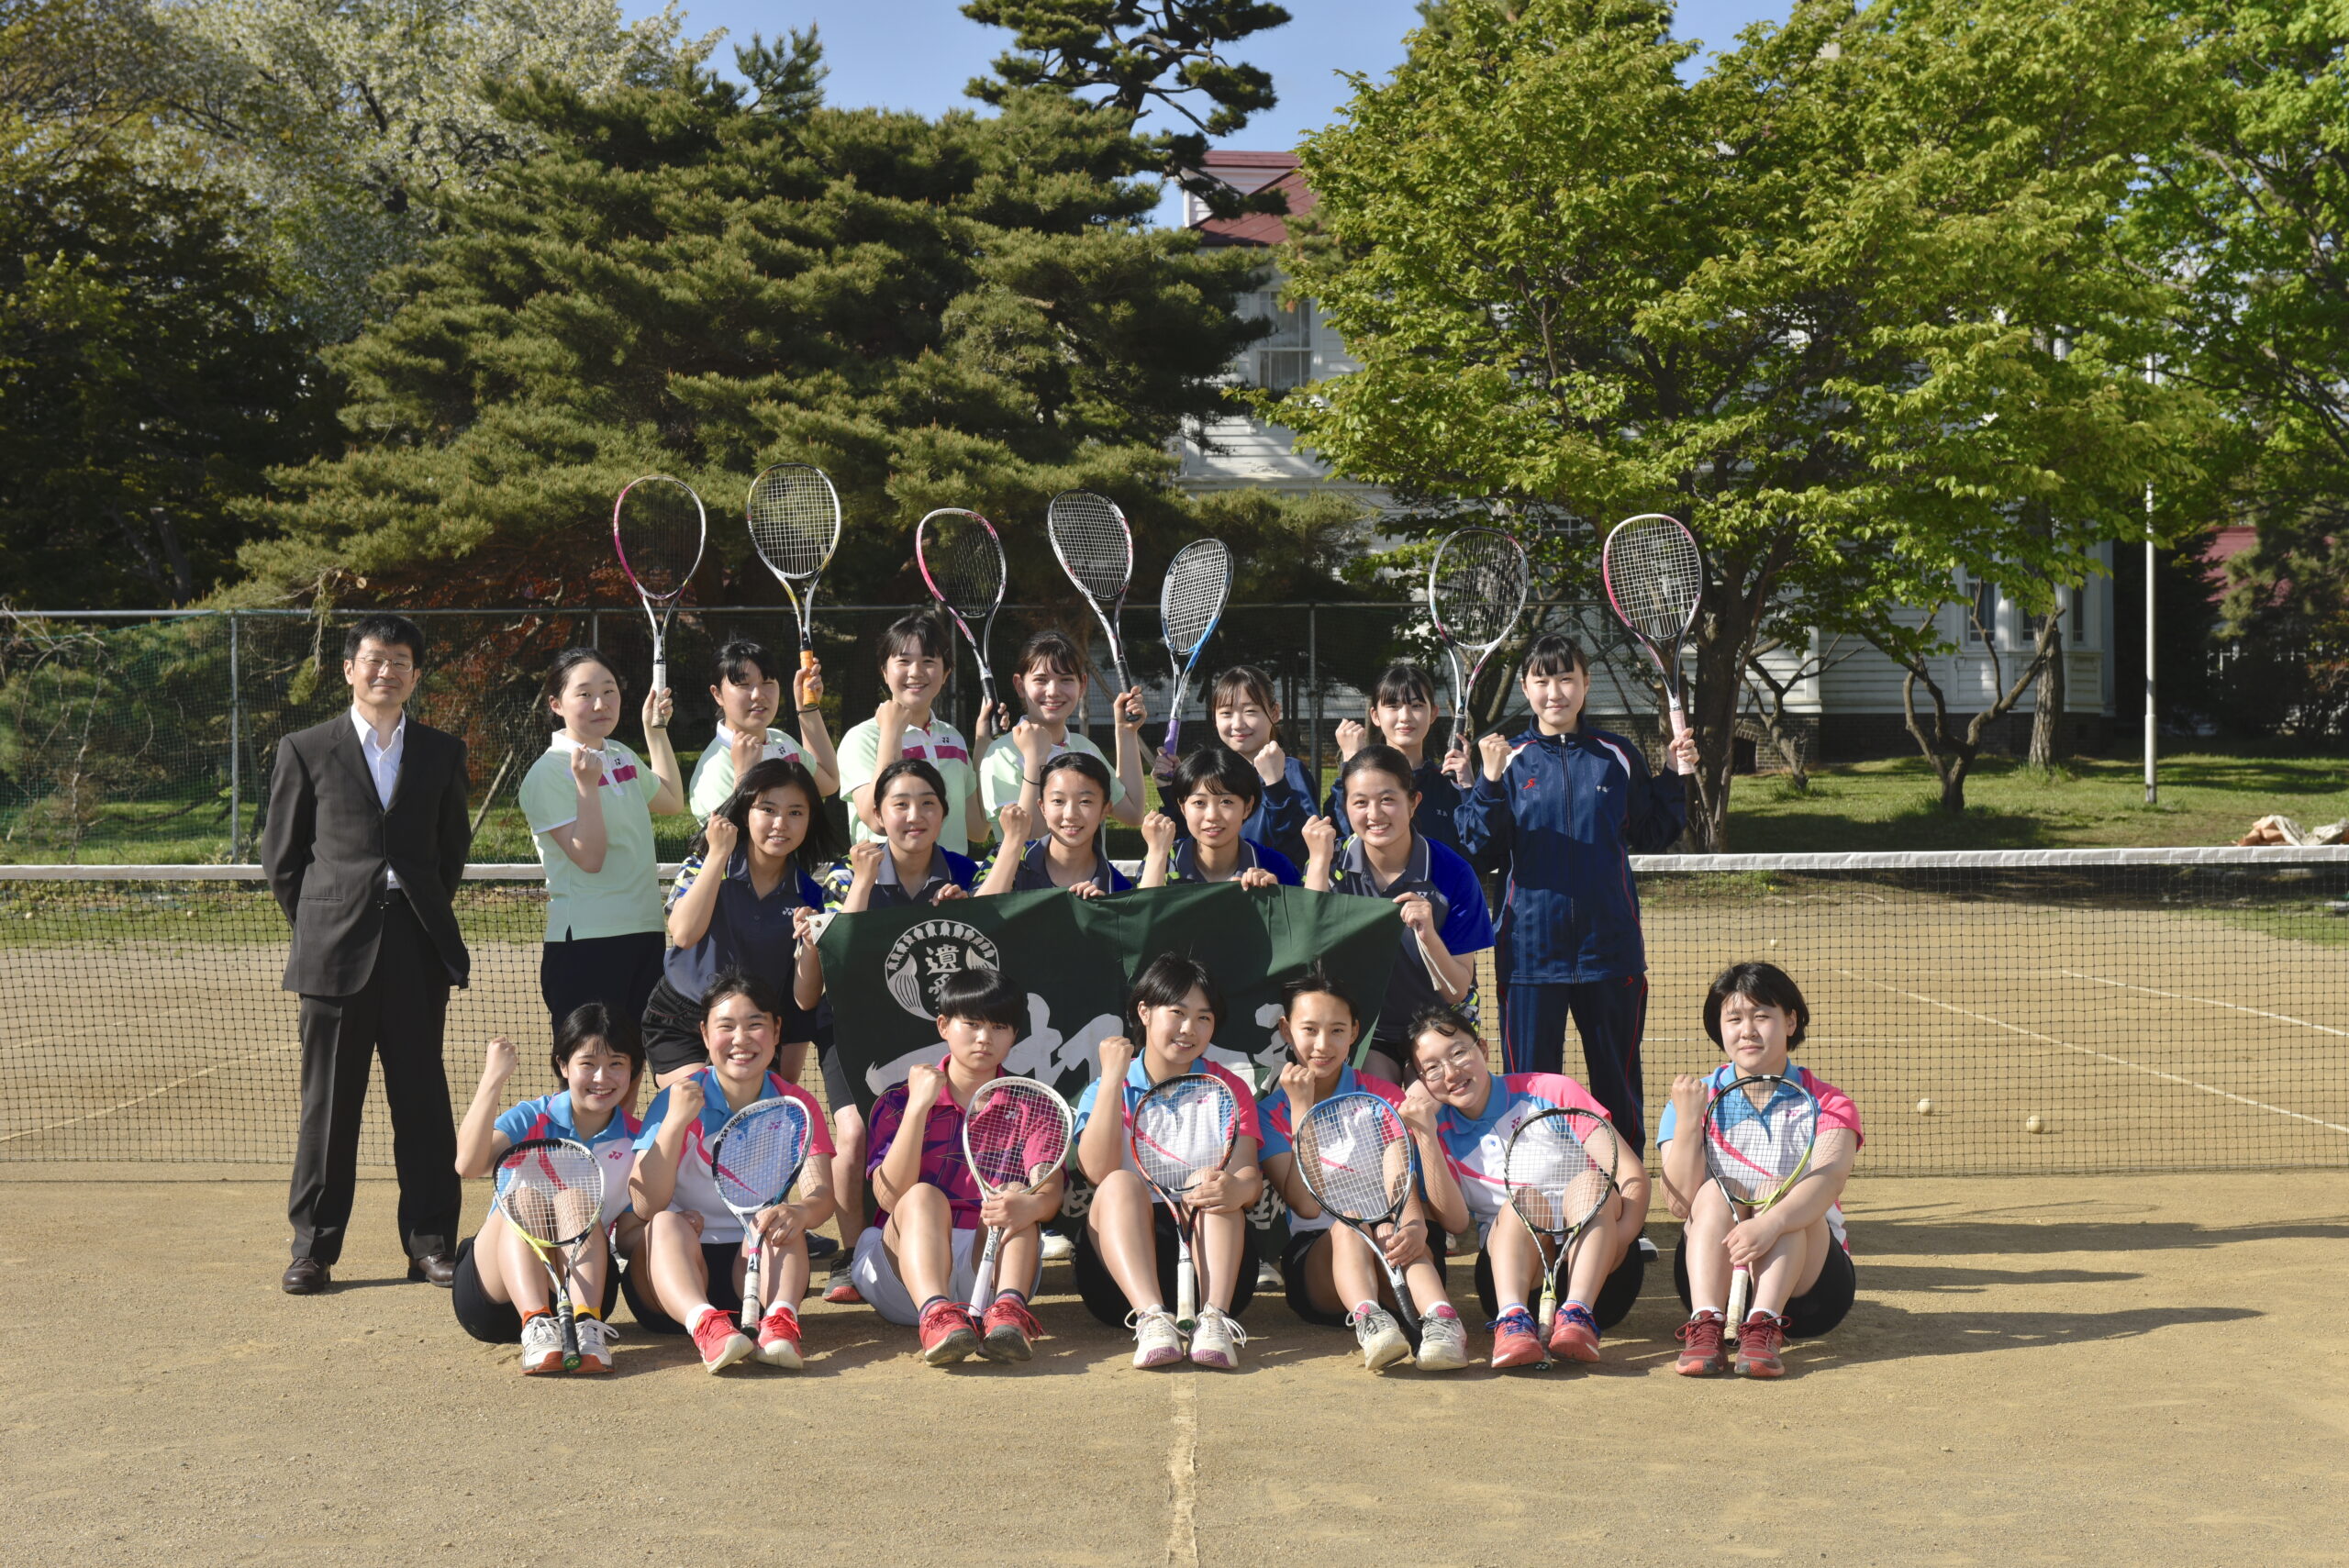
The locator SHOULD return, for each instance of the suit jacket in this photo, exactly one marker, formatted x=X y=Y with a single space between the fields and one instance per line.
x=328 y=838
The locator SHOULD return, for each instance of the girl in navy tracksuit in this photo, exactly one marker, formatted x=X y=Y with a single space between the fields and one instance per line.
x=1563 y=809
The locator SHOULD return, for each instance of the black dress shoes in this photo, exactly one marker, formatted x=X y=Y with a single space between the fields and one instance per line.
x=434 y=1268
x=304 y=1276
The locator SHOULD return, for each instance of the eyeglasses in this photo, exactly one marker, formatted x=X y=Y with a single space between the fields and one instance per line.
x=1453 y=1063
x=378 y=666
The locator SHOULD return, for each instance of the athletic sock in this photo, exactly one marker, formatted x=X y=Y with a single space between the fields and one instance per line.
x=926 y=1305
x=694 y=1316
x=1364 y=1309
x=1019 y=1296
x=1509 y=1307
x=537 y=1312
x=1701 y=1308
x=589 y=1313
x=1584 y=1305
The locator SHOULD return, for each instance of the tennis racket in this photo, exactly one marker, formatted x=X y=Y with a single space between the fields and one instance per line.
x=754 y=1159
x=1655 y=576
x=1356 y=1160
x=1560 y=1172
x=551 y=1190
x=658 y=528
x=1759 y=1134
x=794 y=526
x=1477 y=589
x=1182 y=1129
x=1197 y=583
x=1096 y=550
x=962 y=560
x=1015 y=1137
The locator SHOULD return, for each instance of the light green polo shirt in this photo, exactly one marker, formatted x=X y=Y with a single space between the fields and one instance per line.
x=942 y=746
x=1000 y=772
x=625 y=897
x=713 y=779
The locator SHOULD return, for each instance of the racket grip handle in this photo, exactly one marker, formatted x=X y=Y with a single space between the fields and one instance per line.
x=660 y=674
x=806 y=659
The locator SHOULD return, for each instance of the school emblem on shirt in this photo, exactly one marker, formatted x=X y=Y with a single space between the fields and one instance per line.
x=927 y=955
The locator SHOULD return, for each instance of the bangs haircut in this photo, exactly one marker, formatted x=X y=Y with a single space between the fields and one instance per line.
x=742 y=663
x=1401 y=683
x=733 y=982
x=1441 y=1019
x=1765 y=985
x=981 y=997
x=917 y=635
x=593 y=1021
x=906 y=767
x=1242 y=682
x=1080 y=763
x=565 y=663
x=1378 y=760
x=1219 y=765
x=392 y=631
x=1053 y=650
x=1553 y=653
x=822 y=841
x=1165 y=981
x=1316 y=982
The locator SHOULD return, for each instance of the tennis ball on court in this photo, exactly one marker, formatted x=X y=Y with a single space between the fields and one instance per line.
x=1924 y=1108
x=2033 y=1124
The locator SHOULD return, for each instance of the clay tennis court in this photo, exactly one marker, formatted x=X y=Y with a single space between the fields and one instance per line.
x=2071 y=1371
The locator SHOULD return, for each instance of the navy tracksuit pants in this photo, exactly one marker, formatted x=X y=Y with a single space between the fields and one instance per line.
x=1611 y=1016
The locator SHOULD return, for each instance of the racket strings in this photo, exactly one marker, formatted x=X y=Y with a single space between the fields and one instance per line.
x=1753 y=1151
x=758 y=1154
x=1015 y=1137
x=1558 y=1174
x=1197 y=583
x=795 y=519
x=658 y=531
x=1182 y=1129
x=1478 y=586
x=1356 y=1161
x=964 y=561
x=1089 y=535
x=1655 y=575
x=552 y=1194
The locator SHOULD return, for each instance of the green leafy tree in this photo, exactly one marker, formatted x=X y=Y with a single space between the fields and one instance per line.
x=2242 y=216
x=1148 y=54
x=691 y=279
x=1847 y=304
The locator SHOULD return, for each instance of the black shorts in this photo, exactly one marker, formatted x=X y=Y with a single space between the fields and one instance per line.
x=1099 y=1286
x=718 y=1258
x=672 y=1032
x=1810 y=1315
x=619 y=972
x=500 y=1322
x=1616 y=1298
x=1293 y=1271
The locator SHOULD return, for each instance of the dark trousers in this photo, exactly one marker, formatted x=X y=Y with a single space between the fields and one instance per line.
x=399 y=1014
x=1611 y=1016
x=619 y=972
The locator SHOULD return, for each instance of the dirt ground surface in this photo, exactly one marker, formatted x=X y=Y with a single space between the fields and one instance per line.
x=2068 y=1370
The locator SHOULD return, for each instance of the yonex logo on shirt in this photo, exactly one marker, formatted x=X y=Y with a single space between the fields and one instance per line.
x=620 y=775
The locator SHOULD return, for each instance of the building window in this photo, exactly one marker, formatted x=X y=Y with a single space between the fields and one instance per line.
x=1981 y=613
x=1283 y=370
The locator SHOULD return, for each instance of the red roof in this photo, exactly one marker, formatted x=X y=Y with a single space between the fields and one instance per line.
x=1249 y=172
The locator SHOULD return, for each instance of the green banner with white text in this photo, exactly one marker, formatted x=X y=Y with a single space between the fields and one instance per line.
x=1075 y=958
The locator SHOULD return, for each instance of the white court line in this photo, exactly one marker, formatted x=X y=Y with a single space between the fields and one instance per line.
x=1183 y=1478
x=142 y=1099
x=2099 y=1055
x=2210 y=1002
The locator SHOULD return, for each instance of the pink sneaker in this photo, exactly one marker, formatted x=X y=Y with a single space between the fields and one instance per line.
x=721 y=1343
x=948 y=1334
x=1009 y=1327
x=1575 y=1335
x=1515 y=1343
x=779 y=1339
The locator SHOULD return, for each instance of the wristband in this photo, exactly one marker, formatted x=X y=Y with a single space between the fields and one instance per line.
x=1038 y=783
x=811 y=710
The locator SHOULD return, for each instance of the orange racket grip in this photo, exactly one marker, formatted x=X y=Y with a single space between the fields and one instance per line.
x=806 y=659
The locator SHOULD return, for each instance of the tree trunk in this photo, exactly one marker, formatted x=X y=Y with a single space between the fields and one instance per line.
x=1725 y=636
x=2047 y=704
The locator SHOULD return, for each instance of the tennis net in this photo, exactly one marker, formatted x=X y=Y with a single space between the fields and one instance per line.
x=2153 y=1009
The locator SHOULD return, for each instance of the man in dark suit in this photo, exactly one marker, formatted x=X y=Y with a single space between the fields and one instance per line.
x=365 y=846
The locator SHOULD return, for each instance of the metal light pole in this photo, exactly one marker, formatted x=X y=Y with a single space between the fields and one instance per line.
x=2152 y=780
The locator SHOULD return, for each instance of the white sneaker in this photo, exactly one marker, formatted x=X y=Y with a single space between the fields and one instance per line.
x=542 y=1345
x=596 y=1339
x=1058 y=1249
x=1380 y=1336
x=1215 y=1340
x=1443 y=1344
x=1157 y=1341
x=1268 y=1280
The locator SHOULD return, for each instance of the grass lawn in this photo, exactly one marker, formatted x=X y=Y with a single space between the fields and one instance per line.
x=1895 y=804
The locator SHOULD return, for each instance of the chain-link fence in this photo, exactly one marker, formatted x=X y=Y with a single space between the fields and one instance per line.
x=147 y=737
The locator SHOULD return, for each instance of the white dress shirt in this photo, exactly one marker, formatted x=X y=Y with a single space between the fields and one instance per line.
x=383 y=766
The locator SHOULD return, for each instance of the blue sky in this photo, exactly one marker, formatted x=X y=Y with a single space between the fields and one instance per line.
x=916 y=54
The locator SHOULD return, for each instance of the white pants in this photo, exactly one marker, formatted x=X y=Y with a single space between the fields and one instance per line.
x=876 y=1280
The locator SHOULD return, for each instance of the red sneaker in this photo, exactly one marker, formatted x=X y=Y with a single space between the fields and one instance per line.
x=1575 y=1335
x=779 y=1339
x=1009 y=1327
x=721 y=1343
x=1759 y=1339
x=1515 y=1343
x=947 y=1334
x=1700 y=1345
